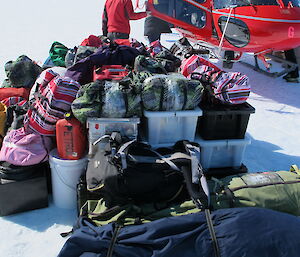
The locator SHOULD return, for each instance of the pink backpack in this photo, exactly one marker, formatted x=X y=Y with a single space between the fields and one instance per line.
x=23 y=149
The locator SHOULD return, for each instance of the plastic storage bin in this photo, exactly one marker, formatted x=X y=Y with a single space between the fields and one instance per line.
x=98 y=127
x=224 y=122
x=166 y=128
x=222 y=153
x=104 y=126
x=225 y=171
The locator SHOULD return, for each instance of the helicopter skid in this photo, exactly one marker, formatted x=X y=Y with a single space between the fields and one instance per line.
x=287 y=66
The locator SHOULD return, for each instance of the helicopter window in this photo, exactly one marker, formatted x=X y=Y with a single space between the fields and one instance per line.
x=183 y=11
x=220 y=4
x=295 y=3
x=237 y=32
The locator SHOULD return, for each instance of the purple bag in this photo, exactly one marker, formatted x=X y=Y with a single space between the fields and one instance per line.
x=23 y=149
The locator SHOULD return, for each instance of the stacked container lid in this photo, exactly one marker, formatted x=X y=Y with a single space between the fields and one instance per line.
x=221 y=134
x=166 y=128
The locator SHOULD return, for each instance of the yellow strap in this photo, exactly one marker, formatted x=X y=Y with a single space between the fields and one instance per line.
x=294 y=168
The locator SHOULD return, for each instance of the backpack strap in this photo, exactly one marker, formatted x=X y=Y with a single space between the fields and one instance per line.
x=161 y=100
x=113 y=241
x=122 y=153
x=199 y=190
x=167 y=160
x=185 y=97
x=100 y=139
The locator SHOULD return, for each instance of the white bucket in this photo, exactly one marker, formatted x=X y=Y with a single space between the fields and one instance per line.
x=65 y=175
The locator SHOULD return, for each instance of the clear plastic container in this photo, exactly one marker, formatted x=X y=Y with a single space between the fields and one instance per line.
x=222 y=153
x=98 y=127
x=166 y=128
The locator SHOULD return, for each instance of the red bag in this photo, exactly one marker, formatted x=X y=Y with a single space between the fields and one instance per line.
x=13 y=91
x=92 y=40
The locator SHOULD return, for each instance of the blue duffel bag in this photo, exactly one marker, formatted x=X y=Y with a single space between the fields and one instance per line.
x=248 y=232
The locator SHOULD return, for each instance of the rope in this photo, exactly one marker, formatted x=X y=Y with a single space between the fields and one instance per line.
x=224 y=31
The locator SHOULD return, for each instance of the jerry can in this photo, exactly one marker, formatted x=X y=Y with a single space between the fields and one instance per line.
x=70 y=138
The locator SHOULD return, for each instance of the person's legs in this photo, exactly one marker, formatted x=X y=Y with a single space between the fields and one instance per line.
x=117 y=35
x=294 y=74
x=153 y=37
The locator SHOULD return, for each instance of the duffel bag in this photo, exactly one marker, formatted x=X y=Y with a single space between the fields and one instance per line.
x=224 y=87
x=251 y=232
x=22 y=148
x=58 y=53
x=107 y=99
x=127 y=171
x=21 y=73
x=171 y=92
x=149 y=64
x=277 y=190
x=23 y=188
x=130 y=213
x=12 y=91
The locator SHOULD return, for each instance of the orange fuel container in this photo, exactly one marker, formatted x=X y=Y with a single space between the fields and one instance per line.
x=70 y=138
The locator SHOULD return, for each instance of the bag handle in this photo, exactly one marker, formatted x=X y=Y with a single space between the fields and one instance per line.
x=122 y=154
x=100 y=139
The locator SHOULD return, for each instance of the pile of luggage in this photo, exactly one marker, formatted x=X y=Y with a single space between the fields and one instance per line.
x=162 y=173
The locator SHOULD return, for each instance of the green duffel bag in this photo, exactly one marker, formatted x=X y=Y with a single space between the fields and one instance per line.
x=131 y=214
x=172 y=92
x=58 y=53
x=276 y=190
x=106 y=99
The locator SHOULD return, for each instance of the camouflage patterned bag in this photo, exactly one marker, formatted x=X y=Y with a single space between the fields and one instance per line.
x=107 y=99
x=120 y=102
x=171 y=92
x=88 y=101
x=21 y=73
x=149 y=64
x=136 y=79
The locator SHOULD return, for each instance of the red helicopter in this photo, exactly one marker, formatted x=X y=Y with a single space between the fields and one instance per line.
x=256 y=26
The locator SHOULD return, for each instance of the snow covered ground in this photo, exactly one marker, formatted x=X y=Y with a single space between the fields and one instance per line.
x=30 y=27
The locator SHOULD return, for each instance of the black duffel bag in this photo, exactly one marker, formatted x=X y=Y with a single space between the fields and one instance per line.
x=131 y=171
x=23 y=188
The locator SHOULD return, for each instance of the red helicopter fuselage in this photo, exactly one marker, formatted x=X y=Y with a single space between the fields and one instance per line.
x=257 y=26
